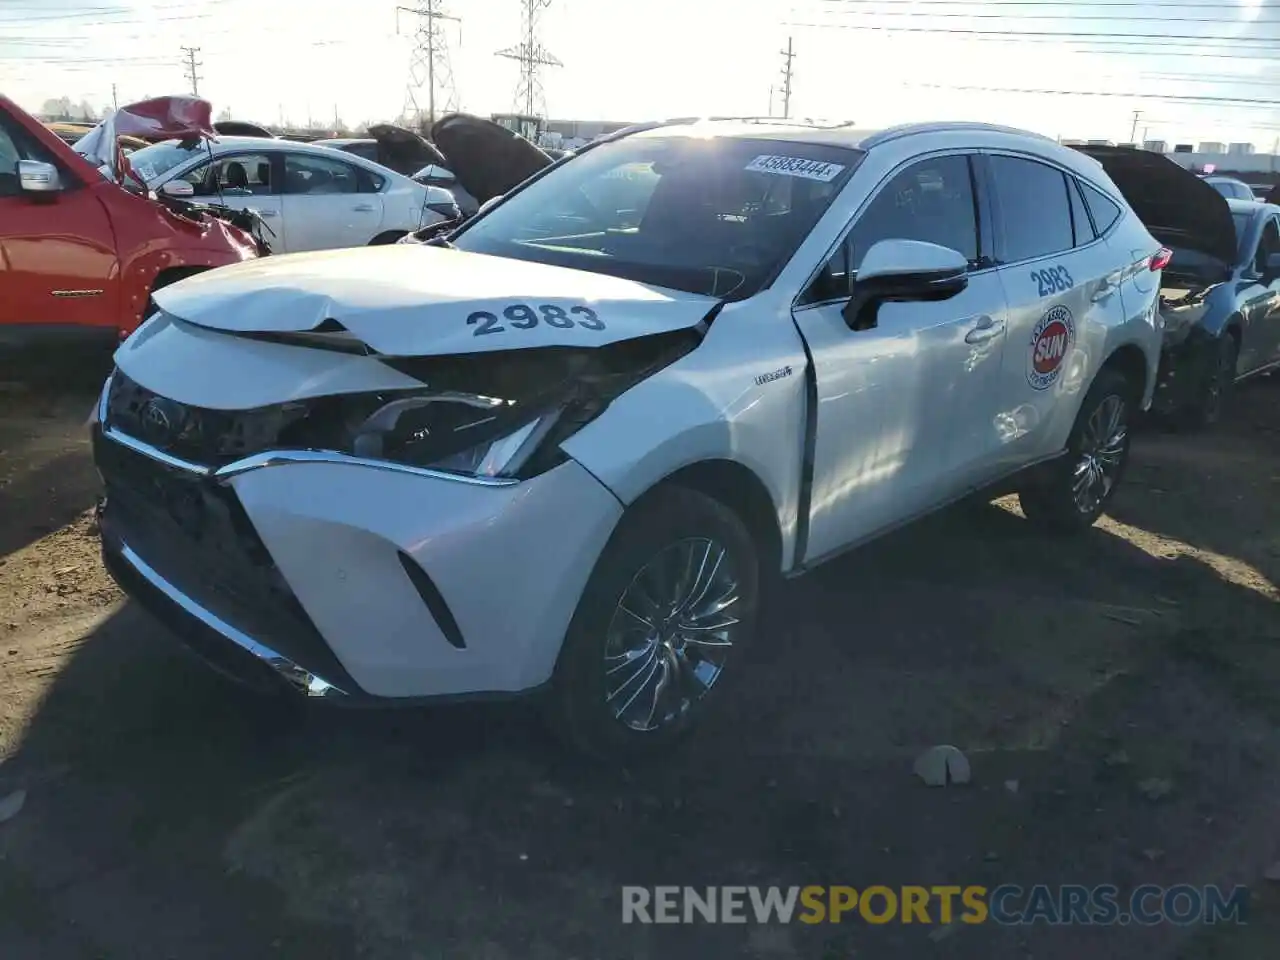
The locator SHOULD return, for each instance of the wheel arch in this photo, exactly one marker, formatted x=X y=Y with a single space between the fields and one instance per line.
x=1131 y=362
x=740 y=489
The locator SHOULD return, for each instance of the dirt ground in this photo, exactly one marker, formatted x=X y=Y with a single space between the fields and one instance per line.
x=169 y=814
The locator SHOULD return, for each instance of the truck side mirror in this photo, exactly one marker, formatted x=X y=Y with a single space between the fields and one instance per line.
x=35 y=176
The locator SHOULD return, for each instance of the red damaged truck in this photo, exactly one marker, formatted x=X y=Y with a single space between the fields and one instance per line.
x=82 y=244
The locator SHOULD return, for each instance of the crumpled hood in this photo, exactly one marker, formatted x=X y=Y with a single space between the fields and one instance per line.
x=411 y=300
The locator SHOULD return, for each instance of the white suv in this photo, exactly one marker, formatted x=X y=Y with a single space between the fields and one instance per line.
x=559 y=451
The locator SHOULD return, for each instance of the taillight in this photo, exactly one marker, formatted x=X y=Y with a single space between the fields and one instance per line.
x=1160 y=259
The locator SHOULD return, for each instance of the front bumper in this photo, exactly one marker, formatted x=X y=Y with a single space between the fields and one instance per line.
x=351 y=579
x=1184 y=365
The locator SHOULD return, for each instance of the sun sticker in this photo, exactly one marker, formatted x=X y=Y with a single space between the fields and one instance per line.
x=1051 y=341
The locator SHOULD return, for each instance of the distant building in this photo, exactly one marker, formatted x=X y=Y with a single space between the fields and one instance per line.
x=1184 y=148
x=1100 y=143
x=1156 y=146
x=1240 y=149
x=1212 y=147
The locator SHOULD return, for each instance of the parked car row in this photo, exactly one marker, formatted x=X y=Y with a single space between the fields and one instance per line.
x=557 y=448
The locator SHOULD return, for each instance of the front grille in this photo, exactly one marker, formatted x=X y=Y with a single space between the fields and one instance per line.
x=196 y=534
x=198 y=434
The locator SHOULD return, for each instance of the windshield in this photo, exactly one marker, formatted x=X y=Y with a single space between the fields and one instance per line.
x=715 y=216
x=153 y=162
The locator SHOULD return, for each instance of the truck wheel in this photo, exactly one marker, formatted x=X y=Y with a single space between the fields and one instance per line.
x=1072 y=491
x=1216 y=388
x=667 y=610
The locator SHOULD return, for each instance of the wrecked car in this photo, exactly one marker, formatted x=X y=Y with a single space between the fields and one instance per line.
x=83 y=246
x=559 y=453
x=1220 y=292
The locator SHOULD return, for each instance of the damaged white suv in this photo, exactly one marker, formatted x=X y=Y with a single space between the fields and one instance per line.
x=559 y=451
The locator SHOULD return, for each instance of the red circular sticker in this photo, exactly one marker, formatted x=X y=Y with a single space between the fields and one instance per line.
x=1051 y=342
x=1051 y=347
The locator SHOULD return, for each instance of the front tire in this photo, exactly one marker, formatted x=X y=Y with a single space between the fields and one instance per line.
x=1216 y=389
x=670 y=604
x=1071 y=492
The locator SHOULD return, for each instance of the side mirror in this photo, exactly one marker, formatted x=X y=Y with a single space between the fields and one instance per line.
x=434 y=175
x=441 y=201
x=903 y=271
x=178 y=189
x=37 y=177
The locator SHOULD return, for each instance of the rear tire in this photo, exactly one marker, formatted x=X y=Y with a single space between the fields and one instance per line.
x=1069 y=494
x=634 y=676
x=1215 y=391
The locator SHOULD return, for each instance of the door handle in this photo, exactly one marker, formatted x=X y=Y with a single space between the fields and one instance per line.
x=986 y=329
x=363 y=208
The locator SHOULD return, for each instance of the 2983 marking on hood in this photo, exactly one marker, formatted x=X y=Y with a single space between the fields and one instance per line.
x=1051 y=340
x=521 y=316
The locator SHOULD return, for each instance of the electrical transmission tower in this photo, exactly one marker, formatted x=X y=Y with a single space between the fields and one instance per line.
x=191 y=69
x=787 y=56
x=531 y=55
x=429 y=64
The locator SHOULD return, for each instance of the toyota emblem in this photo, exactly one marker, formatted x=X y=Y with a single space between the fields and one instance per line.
x=156 y=425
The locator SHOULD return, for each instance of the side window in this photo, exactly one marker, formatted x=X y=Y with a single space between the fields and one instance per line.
x=9 y=157
x=1079 y=215
x=1268 y=244
x=1035 y=213
x=368 y=181
x=1104 y=209
x=931 y=200
x=15 y=145
x=318 y=175
x=236 y=176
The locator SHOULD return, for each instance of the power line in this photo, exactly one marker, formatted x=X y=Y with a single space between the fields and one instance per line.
x=1027 y=33
x=531 y=55
x=1183 y=98
x=1073 y=4
x=429 y=61
x=191 y=69
x=1073 y=15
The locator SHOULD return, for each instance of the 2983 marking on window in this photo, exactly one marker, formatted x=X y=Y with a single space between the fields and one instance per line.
x=1052 y=280
x=522 y=316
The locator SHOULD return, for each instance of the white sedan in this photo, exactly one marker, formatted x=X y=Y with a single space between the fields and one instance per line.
x=312 y=198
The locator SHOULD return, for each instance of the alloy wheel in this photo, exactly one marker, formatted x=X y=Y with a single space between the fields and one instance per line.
x=1102 y=449
x=670 y=634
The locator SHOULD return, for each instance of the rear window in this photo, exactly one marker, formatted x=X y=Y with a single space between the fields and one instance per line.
x=1105 y=210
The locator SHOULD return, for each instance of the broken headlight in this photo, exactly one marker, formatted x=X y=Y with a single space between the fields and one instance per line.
x=455 y=432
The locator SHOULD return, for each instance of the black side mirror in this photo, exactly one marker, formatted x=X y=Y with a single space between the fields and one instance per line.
x=903 y=271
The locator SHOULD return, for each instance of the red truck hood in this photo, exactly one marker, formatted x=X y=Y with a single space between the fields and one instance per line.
x=160 y=118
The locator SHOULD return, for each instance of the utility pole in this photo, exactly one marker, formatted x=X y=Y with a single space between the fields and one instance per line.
x=191 y=69
x=531 y=54
x=429 y=61
x=1133 y=130
x=787 y=55
x=115 y=104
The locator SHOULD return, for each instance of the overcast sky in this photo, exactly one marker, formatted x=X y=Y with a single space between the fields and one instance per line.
x=875 y=62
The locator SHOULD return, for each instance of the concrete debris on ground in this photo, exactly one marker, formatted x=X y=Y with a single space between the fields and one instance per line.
x=942 y=765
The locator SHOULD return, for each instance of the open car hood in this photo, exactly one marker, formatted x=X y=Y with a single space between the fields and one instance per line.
x=416 y=301
x=1179 y=208
x=160 y=118
x=403 y=150
x=487 y=159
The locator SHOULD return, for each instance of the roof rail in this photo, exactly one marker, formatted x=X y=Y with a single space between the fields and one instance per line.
x=908 y=129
